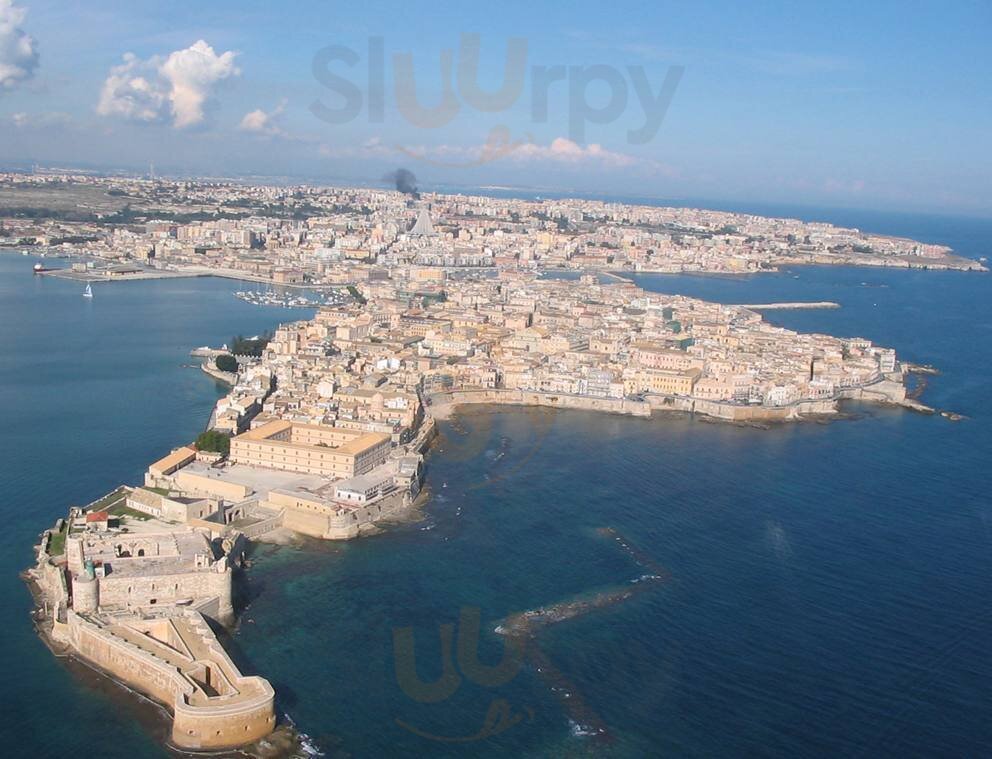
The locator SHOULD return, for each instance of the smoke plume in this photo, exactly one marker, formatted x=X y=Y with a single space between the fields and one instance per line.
x=404 y=181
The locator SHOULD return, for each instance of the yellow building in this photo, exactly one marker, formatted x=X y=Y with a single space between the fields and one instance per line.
x=310 y=448
x=661 y=381
x=175 y=460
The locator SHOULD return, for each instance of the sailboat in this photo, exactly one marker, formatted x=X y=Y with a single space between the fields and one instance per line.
x=88 y=292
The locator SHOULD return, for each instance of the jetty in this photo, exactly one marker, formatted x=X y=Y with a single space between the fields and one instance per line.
x=792 y=306
x=521 y=631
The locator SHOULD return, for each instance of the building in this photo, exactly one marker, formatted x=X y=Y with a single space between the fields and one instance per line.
x=310 y=449
x=137 y=610
x=423 y=226
x=660 y=382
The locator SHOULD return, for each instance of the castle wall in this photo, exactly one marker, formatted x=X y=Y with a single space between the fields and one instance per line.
x=225 y=722
x=200 y=484
x=258 y=529
x=312 y=524
x=715 y=409
x=137 y=592
x=350 y=524
x=127 y=662
x=219 y=728
x=554 y=400
x=242 y=717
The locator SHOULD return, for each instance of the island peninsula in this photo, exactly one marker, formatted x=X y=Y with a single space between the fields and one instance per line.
x=324 y=431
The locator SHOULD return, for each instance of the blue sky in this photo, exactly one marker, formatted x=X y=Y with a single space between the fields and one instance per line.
x=867 y=104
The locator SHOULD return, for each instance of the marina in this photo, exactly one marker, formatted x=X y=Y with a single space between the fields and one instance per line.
x=290 y=300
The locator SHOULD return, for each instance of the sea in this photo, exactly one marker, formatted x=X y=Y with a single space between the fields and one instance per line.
x=816 y=589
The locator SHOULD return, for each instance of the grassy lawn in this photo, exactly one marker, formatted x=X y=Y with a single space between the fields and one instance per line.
x=158 y=491
x=108 y=500
x=120 y=510
x=56 y=546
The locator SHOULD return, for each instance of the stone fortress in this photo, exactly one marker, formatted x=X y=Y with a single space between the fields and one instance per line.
x=132 y=595
x=133 y=582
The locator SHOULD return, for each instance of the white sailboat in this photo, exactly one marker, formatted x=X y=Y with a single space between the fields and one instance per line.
x=88 y=292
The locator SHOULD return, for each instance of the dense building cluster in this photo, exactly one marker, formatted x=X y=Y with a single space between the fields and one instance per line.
x=367 y=363
x=319 y=235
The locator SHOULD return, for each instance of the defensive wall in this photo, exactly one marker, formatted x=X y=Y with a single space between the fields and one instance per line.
x=532 y=398
x=319 y=520
x=180 y=664
x=881 y=391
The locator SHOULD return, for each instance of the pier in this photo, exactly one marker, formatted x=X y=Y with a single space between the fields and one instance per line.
x=795 y=306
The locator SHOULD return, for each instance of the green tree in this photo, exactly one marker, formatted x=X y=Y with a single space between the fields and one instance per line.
x=249 y=346
x=213 y=440
x=354 y=292
x=226 y=363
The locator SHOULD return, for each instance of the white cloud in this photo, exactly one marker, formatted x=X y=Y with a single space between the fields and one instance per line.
x=500 y=147
x=561 y=150
x=192 y=74
x=158 y=90
x=564 y=150
x=18 y=51
x=260 y=122
x=135 y=91
x=370 y=148
x=22 y=120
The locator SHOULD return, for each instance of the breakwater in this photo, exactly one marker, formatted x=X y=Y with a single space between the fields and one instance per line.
x=522 y=630
x=793 y=306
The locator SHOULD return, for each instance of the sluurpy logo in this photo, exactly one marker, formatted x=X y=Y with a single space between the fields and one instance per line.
x=594 y=94
x=463 y=648
x=520 y=633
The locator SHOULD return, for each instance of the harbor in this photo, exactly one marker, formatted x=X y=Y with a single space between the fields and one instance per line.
x=291 y=300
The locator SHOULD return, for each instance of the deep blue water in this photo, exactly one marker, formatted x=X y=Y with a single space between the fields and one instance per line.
x=91 y=392
x=827 y=585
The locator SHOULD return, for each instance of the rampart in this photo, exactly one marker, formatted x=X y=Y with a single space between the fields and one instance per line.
x=179 y=663
x=531 y=398
x=882 y=391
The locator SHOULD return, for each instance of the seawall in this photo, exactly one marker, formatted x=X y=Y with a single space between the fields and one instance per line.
x=228 y=378
x=443 y=403
x=884 y=391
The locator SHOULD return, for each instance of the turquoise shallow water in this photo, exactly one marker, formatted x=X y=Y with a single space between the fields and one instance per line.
x=827 y=585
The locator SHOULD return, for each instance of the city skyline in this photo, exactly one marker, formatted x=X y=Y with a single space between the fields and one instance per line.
x=847 y=107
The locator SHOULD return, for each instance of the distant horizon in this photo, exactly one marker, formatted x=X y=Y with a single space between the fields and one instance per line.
x=727 y=204
x=848 y=105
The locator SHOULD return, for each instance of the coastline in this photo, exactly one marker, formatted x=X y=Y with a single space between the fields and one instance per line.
x=155 y=717
x=228 y=378
x=753 y=416
x=189 y=273
x=444 y=405
x=949 y=263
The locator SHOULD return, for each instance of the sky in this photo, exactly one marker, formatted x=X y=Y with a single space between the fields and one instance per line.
x=882 y=105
